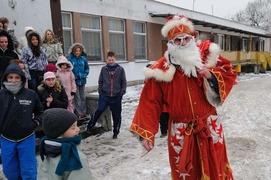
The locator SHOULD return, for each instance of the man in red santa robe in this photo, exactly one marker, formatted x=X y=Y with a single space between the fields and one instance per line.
x=192 y=80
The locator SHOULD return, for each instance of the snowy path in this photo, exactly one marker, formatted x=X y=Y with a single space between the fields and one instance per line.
x=246 y=117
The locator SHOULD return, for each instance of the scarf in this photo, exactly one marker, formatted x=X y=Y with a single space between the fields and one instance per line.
x=70 y=159
x=13 y=87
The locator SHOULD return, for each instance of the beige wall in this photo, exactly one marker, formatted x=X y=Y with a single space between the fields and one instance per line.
x=77 y=35
x=105 y=37
x=129 y=40
x=154 y=39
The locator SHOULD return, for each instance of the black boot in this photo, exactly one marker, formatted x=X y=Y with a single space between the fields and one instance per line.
x=91 y=124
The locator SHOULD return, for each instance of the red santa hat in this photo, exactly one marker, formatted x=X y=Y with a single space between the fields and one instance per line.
x=177 y=24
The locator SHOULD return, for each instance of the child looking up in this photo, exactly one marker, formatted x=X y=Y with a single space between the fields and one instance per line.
x=58 y=149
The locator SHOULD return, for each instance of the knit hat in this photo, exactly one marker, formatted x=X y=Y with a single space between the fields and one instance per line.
x=176 y=25
x=50 y=67
x=48 y=75
x=56 y=121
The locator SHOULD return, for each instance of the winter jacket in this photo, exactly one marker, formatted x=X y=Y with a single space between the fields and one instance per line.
x=48 y=167
x=53 y=51
x=80 y=65
x=20 y=113
x=9 y=53
x=66 y=77
x=60 y=99
x=32 y=62
x=112 y=80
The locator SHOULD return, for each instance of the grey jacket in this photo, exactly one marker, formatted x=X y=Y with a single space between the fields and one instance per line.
x=48 y=167
x=53 y=51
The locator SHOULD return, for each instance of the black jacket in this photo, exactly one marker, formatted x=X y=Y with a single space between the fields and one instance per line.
x=9 y=53
x=60 y=99
x=20 y=113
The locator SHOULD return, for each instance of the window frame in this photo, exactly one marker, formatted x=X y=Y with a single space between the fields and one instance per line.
x=90 y=30
x=67 y=29
x=124 y=39
x=145 y=39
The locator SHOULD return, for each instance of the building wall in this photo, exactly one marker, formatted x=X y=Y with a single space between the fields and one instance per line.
x=154 y=41
x=38 y=14
x=31 y=13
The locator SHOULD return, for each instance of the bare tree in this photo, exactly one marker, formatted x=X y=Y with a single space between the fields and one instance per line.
x=256 y=13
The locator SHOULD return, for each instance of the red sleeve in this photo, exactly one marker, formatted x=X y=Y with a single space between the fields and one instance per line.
x=146 y=119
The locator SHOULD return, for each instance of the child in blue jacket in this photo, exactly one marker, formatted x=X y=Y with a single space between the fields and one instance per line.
x=77 y=57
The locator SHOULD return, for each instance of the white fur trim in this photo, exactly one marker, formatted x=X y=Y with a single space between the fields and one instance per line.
x=175 y=22
x=159 y=74
x=213 y=55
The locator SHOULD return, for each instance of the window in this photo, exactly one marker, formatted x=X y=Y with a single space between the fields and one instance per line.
x=67 y=31
x=229 y=43
x=261 y=45
x=117 y=37
x=244 y=45
x=91 y=36
x=221 y=41
x=140 y=43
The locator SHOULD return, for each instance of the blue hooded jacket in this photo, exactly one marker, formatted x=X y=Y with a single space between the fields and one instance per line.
x=80 y=65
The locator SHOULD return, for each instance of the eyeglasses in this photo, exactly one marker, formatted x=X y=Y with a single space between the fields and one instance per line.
x=182 y=41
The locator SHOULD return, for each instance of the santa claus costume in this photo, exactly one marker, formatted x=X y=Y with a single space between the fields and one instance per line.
x=192 y=80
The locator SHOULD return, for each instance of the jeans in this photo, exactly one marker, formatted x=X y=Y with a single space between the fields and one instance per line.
x=115 y=106
x=79 y=100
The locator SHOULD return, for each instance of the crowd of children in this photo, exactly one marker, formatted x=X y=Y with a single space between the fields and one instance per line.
x=41 y=87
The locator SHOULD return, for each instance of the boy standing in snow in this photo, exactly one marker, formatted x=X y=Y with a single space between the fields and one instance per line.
x=58 y=149
x=112 y=86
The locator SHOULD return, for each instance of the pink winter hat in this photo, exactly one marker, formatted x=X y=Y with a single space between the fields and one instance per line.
x=48 y=75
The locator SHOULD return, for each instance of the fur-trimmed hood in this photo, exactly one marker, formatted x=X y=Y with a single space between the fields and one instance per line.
x=163 y=70
x=77 y=44
x=63 y=60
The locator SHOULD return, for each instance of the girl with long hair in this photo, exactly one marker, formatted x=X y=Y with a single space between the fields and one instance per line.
x=34 y=58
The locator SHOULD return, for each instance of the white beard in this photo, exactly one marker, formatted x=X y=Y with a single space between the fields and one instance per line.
x=187 y=57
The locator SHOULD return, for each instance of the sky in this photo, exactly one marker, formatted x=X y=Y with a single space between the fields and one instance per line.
x=246 y=118
x=220 y=8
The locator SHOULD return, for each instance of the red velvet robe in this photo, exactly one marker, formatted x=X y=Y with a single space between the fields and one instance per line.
x=196 y=142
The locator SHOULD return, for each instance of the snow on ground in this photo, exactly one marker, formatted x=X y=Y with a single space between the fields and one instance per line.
x=246 y=118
